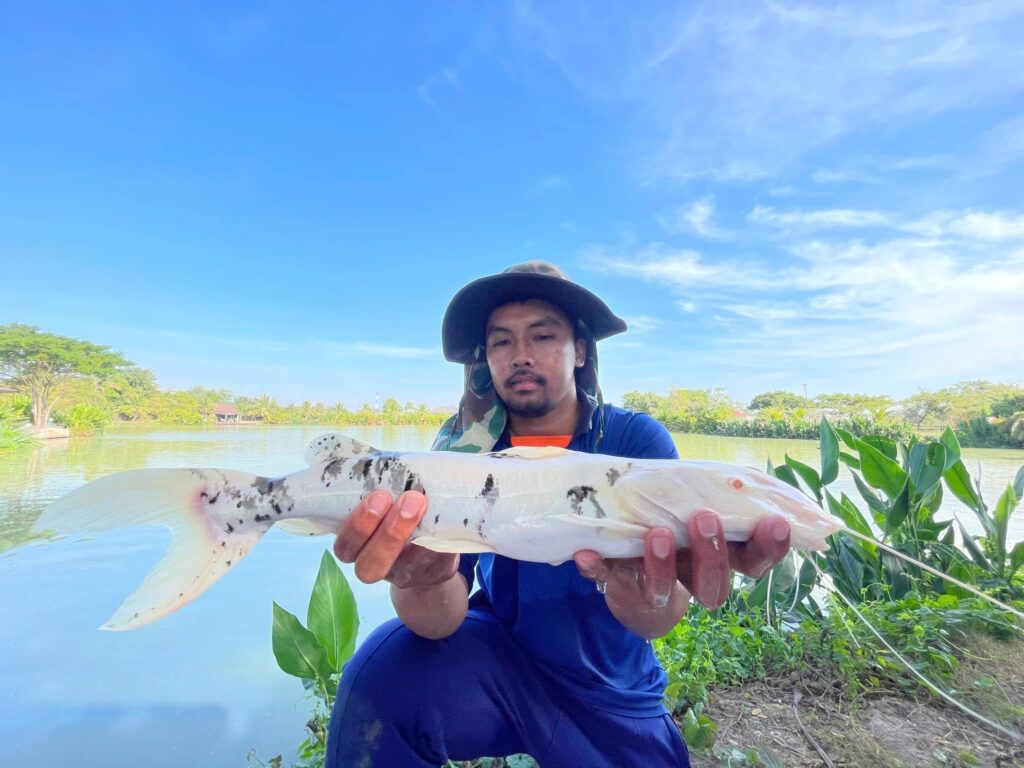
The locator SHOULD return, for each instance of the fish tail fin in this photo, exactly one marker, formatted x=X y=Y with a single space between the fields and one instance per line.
x=209 y=533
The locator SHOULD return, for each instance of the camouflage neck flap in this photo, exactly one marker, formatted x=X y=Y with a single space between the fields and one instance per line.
x=481 y=418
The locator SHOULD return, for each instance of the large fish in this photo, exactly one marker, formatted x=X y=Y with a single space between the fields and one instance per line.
x=535 y=504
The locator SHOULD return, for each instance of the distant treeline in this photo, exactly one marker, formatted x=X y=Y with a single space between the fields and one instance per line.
x=981 y=413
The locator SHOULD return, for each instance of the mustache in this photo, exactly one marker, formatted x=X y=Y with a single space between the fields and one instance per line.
x=515 y=378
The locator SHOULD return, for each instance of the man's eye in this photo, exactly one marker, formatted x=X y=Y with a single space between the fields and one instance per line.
x=499 y=342
x=545 y=337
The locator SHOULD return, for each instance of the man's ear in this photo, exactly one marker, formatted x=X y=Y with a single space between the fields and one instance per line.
x=581 y=352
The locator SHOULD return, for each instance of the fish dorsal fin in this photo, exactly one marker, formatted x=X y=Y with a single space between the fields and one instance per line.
x=531 y=452
x=331 y=446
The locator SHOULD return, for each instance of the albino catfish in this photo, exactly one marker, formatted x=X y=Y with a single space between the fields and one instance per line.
x=535 y=504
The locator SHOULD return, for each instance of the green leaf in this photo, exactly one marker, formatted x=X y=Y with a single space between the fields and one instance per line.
x=847 y=511
x=897 y=512
x=332 y=614
x=973 y=549
x=1018 y=483
x=1001 y=516
x=883 y=445
x=296 y=649
x=958 y=480
x=807 y=474
x=849 y=460
x=927 y=463
x=848 y=439
x=875 y=504
x=784 y=473
x=1016 y=559
x=952 y=446
x=828 y=445
x=880 y=470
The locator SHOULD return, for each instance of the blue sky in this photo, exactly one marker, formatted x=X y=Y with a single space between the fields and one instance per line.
x=281 y=198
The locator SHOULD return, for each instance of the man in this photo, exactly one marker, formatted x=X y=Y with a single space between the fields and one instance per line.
x=553 y=661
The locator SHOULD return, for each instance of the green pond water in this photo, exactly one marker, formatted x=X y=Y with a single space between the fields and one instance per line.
x=200 y=687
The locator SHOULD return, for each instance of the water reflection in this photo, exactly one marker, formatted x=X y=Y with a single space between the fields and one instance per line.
x=200 y=687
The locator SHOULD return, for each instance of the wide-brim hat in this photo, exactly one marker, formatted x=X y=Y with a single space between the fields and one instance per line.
x=465 y=320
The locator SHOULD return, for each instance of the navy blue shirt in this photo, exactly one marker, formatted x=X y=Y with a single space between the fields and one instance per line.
x=558 y=616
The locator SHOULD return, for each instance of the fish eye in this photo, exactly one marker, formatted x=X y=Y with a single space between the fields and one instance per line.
x=736 y=483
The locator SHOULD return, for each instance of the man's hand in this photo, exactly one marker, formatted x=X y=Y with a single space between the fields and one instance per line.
x=376 y=538
x=429 y=594
x=649 y=595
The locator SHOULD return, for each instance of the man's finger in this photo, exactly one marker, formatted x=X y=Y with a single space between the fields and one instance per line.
x=659 y=567
x=709 y=559
x=591 y=565
x=768 y=544
x=379 y=555
x=359 y=526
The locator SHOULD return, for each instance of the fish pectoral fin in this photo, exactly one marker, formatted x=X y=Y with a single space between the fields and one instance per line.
x=531 y=452
x=301 y=526
x=331 y=446
x=452 y=545
x=608 y=526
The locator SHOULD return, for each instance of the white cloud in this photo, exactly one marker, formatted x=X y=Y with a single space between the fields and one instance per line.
x=839 y=177
x=898 y=310
x=835 y=217
x=642 y=323
x=446 y=78
x=744 y=91
x=695 y=217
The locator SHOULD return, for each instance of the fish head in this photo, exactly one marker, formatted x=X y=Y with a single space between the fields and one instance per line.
x=742 y=496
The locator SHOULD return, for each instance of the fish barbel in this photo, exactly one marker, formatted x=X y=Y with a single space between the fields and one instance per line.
x=534 y=504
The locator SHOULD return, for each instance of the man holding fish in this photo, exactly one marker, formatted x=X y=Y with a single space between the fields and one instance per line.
x=553 y=661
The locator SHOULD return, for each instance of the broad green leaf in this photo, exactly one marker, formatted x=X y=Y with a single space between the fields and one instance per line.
x=828 y=445
x=852 y=569
x=1001 y=516
x=1018 y=483
x=883 y=445
x=973 y=549
x=880 y=470
x=807 y=474
x=296 y=649
x=927 y=463
x=1016 y=559
x=784 y=473
x=332 y=614
x=875 y=504
x=952 y=446
x=958 y=480
x=847 y=511
x=898 y=510
x=849 y=440
x=849 y=460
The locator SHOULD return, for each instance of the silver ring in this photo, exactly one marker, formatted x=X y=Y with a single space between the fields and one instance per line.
x=602 y=587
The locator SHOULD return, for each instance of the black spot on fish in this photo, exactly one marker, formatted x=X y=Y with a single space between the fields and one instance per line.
x=480 y=529
x=229 y=563
x=580 y=494
x=203 y=495
x=275 y=506
x=230 y=528
x=613 y=475
x=241 y=521
x=465 y=522
x=490 y=490
x=224 y=543
x=263 y=518
x=238 y=505
x=437 y=517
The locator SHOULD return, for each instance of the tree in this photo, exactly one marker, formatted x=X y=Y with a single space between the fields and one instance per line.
x=41 y=365
x=787 y=401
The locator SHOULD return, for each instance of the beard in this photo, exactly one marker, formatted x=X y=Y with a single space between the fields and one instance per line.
x=532 y=405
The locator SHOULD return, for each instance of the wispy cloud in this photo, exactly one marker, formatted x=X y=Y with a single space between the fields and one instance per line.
x=947 y=302
x=447 y=78
x=697 y=217
x=821 y=219
x=642 y=323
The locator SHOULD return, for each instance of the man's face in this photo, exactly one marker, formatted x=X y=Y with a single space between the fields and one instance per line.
x=532 y=356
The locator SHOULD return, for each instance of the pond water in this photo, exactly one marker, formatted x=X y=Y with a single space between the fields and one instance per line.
x=200 y=687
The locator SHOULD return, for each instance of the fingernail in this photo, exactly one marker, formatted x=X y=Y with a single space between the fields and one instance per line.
x=410 y=506
x=378 y=504
x=707 y=526
x=660 y=600
x=661 y=546
x=780 y=530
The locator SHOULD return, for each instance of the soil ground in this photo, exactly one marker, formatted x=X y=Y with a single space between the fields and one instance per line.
x=804 y=720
